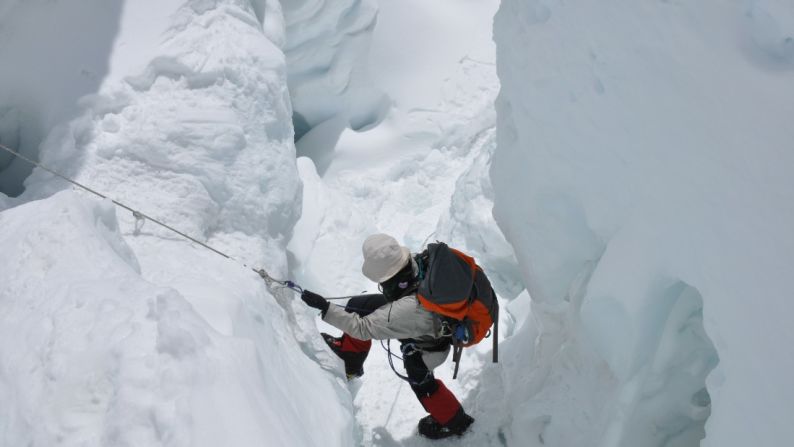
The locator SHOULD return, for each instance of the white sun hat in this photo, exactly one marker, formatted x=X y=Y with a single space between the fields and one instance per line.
x=383 y=257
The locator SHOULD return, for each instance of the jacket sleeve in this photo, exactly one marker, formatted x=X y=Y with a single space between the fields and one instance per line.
x=404 y=318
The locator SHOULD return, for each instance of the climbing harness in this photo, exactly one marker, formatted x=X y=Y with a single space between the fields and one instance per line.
x=407 y=349
x=387 y=347
x=141 y=218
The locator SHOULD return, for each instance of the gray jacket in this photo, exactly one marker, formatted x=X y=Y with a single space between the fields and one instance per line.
x=404 y=318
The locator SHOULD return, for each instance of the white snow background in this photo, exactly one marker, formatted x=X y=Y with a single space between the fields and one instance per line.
x=638 y=161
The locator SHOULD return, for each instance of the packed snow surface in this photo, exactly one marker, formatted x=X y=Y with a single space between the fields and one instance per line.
x=643 y=174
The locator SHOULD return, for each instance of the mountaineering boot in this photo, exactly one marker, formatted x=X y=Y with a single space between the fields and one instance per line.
x=457 y=426
x=447 y=417
x=351 y=350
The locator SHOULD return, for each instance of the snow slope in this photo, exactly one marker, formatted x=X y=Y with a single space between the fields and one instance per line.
x=190 y=122
x=643 y=176
x=93 y=354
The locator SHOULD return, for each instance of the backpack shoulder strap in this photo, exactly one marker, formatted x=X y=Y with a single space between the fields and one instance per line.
x=496 y=336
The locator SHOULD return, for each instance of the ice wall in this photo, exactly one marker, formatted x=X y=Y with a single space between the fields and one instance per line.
x=51 y=53
x=643 y=176
x=468 y=222
x=190 y=122
x=188 y=131
x=327 y=46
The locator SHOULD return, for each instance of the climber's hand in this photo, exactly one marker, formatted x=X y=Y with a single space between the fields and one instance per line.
x=316 y=301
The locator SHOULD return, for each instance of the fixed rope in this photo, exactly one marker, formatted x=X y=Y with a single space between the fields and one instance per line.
x=139 y=216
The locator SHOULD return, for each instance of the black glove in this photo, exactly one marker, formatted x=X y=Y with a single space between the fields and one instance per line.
x=315 y=301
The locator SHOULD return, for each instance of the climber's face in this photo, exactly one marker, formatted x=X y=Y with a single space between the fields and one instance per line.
x=401 y=284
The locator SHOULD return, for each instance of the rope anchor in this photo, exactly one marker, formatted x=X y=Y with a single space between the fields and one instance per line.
x=140 y=219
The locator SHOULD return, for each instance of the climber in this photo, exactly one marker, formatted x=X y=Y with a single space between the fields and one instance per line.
x=396 y=314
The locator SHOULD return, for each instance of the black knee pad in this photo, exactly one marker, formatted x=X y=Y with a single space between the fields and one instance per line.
x=423 y=383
